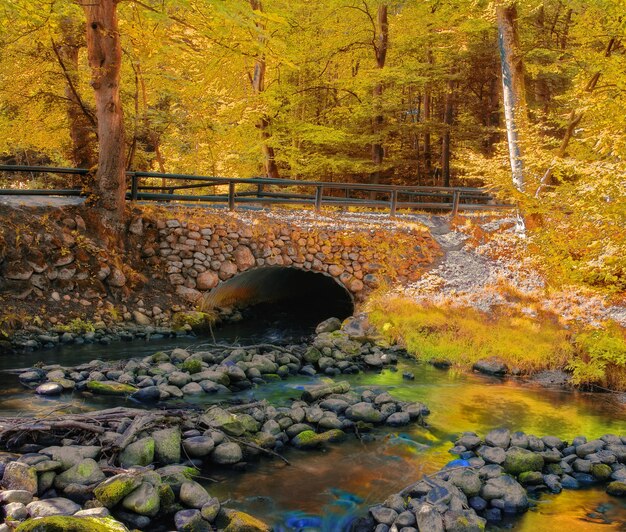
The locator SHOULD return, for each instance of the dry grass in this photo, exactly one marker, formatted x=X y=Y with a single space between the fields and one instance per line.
x=463 y=335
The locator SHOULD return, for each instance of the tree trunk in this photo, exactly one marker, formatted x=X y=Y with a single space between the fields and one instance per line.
x=380 y=50
x=513 y=86
x=445 y=141
x=82 y=123
x=428 y=169
x=105 y=57
x=258 y=85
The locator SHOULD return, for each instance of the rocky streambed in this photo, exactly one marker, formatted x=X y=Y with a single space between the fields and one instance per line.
x=194 y=415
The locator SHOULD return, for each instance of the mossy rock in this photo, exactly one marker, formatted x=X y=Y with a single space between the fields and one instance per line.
x=309 y=439
x=312 y=355
x=175 y=475
x=160 y=356
x=191 y=366
x=520 y=460
x=139 y=453
x=236 y=521
x=167 y=445
x=199 y=322
x=601 y=471
x=59 y=523
x=167 y=498
x=617 y=489
x=110 y=388
x=114 y=489
x=531 y=478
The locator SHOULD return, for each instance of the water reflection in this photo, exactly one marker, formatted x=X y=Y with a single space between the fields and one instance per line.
x=324 y=490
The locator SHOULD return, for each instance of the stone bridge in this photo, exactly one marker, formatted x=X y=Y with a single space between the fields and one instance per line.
x=247 y=258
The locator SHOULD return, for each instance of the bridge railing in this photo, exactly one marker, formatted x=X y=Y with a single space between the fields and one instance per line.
x=153 y=186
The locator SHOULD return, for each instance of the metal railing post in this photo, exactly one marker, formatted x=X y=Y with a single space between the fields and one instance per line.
x=134 y=186
x=456 y=199
x=394 y=203
x=318 y=198
x=231 y=196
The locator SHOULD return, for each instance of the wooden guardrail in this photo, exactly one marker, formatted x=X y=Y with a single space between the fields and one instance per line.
x=266 y=192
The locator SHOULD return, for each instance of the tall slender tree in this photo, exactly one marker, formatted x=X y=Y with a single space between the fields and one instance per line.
x=105 y=57
x=514 y=99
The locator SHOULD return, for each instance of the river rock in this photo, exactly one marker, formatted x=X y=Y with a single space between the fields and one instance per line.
x=84 y=473
x=616 y=488
x=211 y=509
x=589 y=448
x=139 y=453
x=218 y=418
x=492 y=455
x=70 y=455
x=190 y=521
x=49 y=388
x=20 y=476
x=329 y=325
x=498 y=438
x=491 y=366
x=236 y=521
x=9 y=496
x=198 y=446
x=193 y=495
x=428 y=518
x=227 y=454
x=384 y=515
x=15 y=511
x=144 y=500
x=54 y=506
x=167 y=445
x=519 y=460
x=463 y=521
x=364 y=412
x=114 y=489
x=110 y=388
x=509 y=490
x=149 y=394
x=308 y=439
x=467 y=481
x=398 y=419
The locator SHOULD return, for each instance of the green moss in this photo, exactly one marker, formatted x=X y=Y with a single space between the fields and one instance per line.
x=520 y=460
x=110 y=388
x=114 y=489
x=309 y=439
x=601 y=471
x=236 y=521
x=160 y=356
x=60 y=523
x=191 y=365
x=77 y=326
x=198 y=321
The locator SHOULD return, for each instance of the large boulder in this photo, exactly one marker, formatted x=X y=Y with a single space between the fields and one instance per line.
x=218 y=418
x=491 y=366
x=70 y=455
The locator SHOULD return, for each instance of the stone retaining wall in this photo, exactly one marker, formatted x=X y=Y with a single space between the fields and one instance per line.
x=199 y=257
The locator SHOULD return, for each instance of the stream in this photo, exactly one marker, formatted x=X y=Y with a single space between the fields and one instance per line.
x=324 y=490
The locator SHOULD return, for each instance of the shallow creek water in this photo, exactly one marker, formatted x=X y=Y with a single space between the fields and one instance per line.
x=323 y=490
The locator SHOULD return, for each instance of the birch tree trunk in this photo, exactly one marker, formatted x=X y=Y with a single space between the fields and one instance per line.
x=258 y=86
x=514 y=99
x=105 y=57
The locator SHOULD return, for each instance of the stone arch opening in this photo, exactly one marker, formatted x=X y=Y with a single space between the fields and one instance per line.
x=280 y=293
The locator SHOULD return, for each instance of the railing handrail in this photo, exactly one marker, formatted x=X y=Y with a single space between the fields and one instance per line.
x=266 y=197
